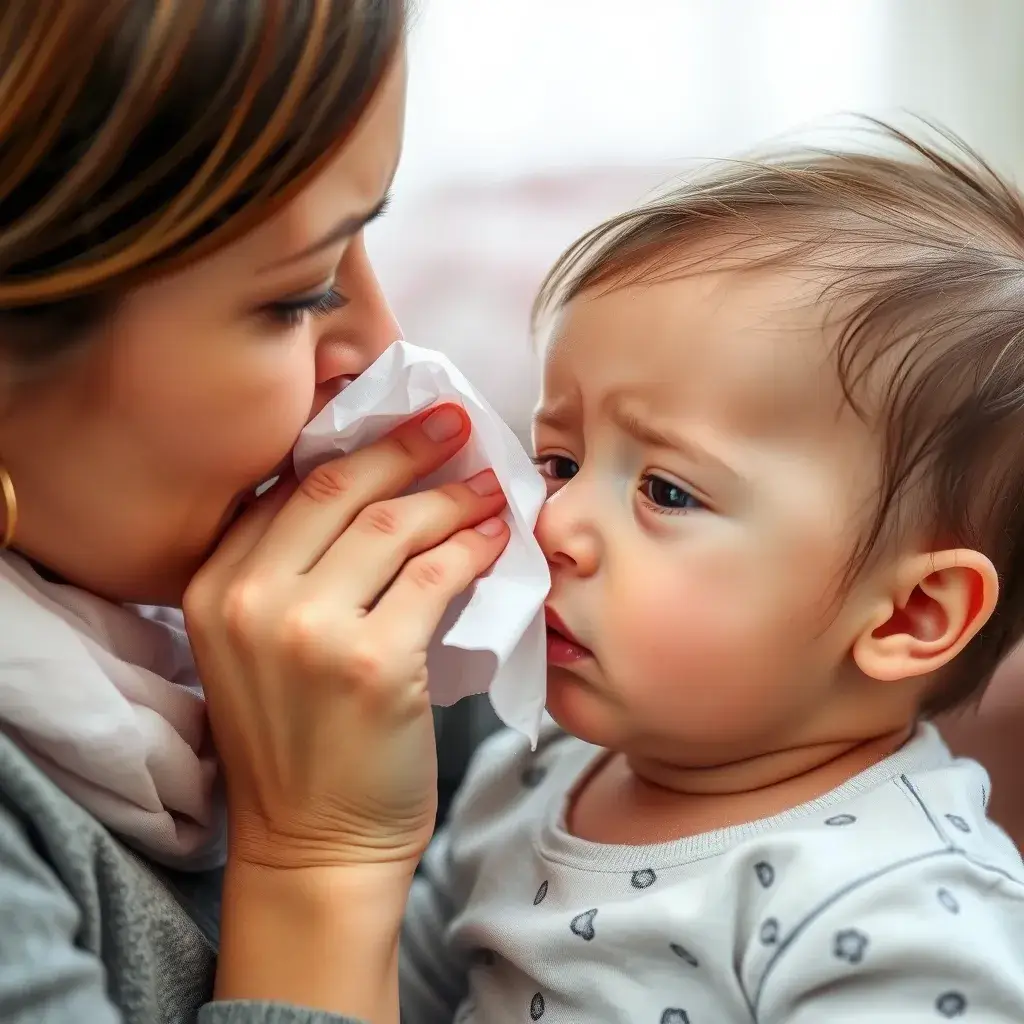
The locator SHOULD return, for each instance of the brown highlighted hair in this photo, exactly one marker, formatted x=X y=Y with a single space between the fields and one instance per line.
x=137 y=135
x=919 y=248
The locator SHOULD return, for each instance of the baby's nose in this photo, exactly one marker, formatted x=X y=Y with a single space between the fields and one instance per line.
x=569 y=539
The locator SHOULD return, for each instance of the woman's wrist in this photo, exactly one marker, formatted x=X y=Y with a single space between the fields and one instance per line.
x=325 y=938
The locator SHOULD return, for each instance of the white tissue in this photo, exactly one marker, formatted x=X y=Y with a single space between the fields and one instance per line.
x=493 y=637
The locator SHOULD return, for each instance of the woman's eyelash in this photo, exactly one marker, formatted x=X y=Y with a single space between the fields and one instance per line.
x=293 y=311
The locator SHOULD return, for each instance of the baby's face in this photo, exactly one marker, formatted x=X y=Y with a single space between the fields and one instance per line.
x=708 y=486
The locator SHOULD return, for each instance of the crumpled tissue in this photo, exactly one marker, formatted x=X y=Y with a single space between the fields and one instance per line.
x=492 y=638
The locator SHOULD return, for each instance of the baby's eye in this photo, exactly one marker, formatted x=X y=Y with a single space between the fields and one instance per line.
x=666 y=496
x=557 y=467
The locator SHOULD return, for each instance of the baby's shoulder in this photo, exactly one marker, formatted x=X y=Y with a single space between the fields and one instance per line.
x=895 y=829
x=904 y=869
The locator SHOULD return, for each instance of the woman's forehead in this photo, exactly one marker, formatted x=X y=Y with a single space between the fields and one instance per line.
x=351 y=185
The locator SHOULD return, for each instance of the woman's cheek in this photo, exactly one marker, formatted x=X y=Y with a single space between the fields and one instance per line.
x=261 y=420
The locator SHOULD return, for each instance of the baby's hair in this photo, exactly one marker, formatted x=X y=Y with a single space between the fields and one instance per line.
x=920 y=254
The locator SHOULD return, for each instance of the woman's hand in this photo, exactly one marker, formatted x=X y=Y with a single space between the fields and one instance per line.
x=310 y=626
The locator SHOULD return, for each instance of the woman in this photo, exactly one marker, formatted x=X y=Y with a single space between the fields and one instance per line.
x=183 y=285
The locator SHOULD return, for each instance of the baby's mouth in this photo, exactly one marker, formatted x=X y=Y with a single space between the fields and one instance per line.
x=563 y=647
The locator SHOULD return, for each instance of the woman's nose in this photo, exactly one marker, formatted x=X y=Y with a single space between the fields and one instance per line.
x=357 y=333
x=567 y=534
x=368 y=321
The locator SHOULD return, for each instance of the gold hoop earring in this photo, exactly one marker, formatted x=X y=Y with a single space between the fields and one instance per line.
x=11 y=505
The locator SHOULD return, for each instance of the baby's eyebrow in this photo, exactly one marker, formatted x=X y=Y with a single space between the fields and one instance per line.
x=557 y=417
x=562 y=416
x=626 y=417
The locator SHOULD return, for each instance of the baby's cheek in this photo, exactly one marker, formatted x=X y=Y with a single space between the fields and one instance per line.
x=702 y=645
x=674 y=628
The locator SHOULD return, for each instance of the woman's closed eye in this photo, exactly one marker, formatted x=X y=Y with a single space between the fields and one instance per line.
x=666 y=497
x=292 y=312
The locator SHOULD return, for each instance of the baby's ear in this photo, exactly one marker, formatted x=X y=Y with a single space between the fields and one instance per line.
x=937 y=603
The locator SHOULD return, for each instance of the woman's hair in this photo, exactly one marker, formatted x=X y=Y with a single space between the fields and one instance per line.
x=920 y=258
x=139 y=135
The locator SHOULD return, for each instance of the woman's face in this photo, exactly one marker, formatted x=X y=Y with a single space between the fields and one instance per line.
x=129 y=463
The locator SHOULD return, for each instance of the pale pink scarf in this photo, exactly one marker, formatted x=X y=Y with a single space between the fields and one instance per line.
x=105 y=700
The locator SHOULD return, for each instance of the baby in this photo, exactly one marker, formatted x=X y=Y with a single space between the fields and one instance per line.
x=781 y=424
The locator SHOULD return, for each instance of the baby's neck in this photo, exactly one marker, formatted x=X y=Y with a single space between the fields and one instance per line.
x=830 y=764
x=628 y=800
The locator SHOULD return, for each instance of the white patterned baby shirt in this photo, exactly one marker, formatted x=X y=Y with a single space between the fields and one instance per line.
x=891 y=898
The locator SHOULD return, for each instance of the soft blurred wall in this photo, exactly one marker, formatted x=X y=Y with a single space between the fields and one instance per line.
x=529 y=120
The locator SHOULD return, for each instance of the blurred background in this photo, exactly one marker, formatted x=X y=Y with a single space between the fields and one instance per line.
x=530 y=120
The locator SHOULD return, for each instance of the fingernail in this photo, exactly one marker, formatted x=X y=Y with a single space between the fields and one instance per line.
x=443 y=425
x=491 y=527
x=484 y=483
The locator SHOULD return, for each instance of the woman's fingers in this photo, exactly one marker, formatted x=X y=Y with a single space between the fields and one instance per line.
x=412 y=607
x=384 y=536
x=333 y=494
x=243 y=536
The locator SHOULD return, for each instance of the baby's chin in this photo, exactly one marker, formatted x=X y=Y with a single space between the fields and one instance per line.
x=580 y=709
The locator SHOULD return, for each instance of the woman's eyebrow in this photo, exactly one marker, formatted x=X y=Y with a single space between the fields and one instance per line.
x=344 y=229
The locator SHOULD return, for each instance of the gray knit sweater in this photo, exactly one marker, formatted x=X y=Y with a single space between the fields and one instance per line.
x=92 y=933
